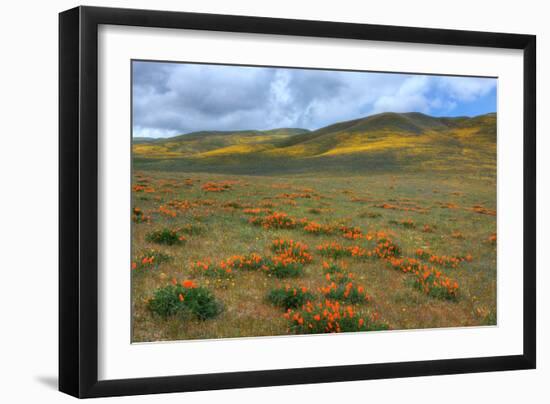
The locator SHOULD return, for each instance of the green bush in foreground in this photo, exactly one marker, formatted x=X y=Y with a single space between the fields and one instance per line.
x=185 y=300
x=289 y=297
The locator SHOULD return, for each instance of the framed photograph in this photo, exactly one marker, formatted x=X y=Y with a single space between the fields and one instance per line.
x=251 y=201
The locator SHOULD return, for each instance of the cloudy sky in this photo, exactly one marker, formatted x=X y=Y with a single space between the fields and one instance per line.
x=175 y=98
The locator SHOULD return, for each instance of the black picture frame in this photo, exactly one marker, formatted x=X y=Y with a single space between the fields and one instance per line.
x=78 y=200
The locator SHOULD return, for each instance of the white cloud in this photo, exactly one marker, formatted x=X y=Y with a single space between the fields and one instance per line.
x=409 y=96
x=171 y=98
x=465 y=88
x=139 y=131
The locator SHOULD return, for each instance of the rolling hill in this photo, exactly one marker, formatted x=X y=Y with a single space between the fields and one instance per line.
x=387 y=141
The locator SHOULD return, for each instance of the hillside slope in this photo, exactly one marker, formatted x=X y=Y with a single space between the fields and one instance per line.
x=198 y=143
x=387 y=141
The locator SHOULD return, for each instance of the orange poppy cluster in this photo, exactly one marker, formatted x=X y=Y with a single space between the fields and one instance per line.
x=294 y=249
x=351 y=233
x=221 y=186
x=256 y=211
x=330 y=316
x=285 y=265
x=343 y=288
x=316 y=228
x=277 y=220
x=406 y=264
x=150 y=259
x=385 y=248
x=248 y=262
x=288 y=261
x=335 y=250
x=223 y=270
x=281 y=220
x=433 y=283
x=290 y=258
x=143 y=188
x=483 y=210
x=443 y=260
x=164 y=210
x=440 y=286
x=428 y=279
x=182 y=205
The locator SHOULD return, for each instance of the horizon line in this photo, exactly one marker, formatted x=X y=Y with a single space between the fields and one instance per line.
x=311 y=130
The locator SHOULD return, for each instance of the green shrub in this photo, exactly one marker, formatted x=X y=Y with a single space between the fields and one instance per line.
x=165 y=302
x=289 y=297
x=185 y=301
x=165 y=236
x=346 y=292
x=284 y=267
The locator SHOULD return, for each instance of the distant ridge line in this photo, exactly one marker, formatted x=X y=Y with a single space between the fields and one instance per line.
x=348 y=123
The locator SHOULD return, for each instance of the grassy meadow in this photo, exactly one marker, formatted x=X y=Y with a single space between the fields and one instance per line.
x=356 y=227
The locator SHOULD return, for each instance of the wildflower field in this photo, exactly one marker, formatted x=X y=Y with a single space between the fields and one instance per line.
x=238 y=255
